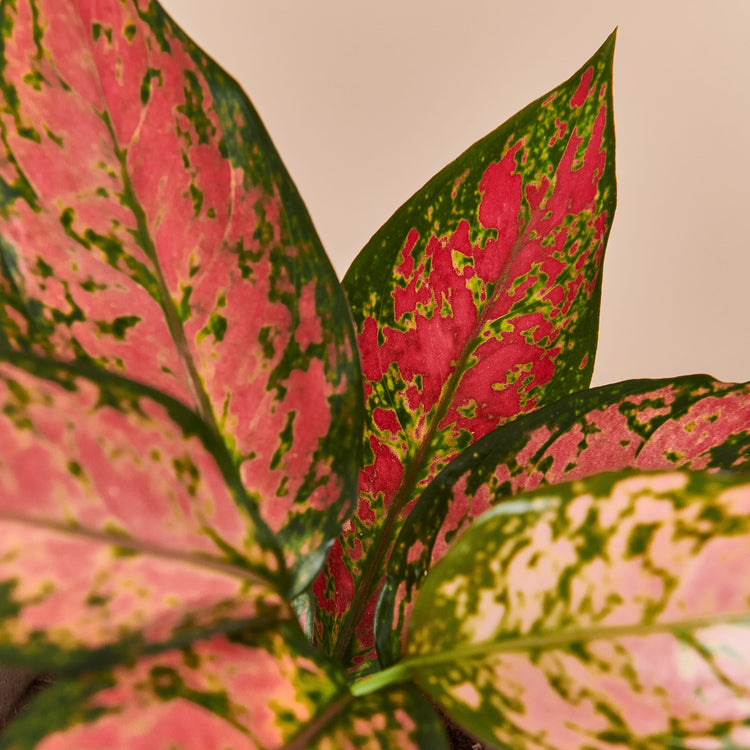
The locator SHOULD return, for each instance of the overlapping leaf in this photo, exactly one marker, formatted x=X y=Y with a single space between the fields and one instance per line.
x=120 y=524
x=245 y=691
x=692 y=422
x=608 y=613
x=147 y=226
x=476 y=302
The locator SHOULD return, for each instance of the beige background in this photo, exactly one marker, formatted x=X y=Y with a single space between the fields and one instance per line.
x=365 y=101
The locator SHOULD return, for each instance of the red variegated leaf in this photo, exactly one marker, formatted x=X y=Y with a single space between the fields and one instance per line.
x=692 y=422
x=148 y=226
x=244 y=691
x=120 y=523
x=604 y=614
x=476 y=302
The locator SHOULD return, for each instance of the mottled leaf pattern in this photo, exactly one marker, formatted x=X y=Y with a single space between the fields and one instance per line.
x=118 y=524
x=398 y=718
x=147 y=226
x=691 y=422
x=607 y=613
x=476 y=302
x=244 y=691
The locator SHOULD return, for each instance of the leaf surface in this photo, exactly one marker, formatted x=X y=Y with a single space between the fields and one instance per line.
x=611 y=612
x=119 y=525
x=693 y=422
x=244 y=691
x=476 y=302
x=147 y=226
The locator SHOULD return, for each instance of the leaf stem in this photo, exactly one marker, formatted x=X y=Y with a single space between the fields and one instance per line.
x=395 y=674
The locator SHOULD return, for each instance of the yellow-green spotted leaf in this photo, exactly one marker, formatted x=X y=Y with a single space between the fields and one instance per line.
x=612 y=612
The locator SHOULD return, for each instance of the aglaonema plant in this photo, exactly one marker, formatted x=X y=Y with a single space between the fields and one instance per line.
x=243 y=506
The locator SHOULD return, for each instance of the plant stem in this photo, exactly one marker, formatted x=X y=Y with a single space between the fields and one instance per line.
x=395 y=674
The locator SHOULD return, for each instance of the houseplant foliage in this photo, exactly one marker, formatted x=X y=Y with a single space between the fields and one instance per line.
x=234 y=515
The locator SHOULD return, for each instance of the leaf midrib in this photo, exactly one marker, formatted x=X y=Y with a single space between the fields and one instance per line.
x=200 y=397
x=405 y=670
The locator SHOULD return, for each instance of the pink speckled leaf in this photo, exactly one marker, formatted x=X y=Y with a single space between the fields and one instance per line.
x=608 y=613
x=122 y=521
x=476 y=302
x=246 y=691
x=692 y=422
x=147 y=226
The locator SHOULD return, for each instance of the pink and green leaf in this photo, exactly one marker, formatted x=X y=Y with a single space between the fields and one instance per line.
x=692 y=422
x=120 y=523
x=245 y=691
x=148 y=227
x=476 y=302
x=607 y=613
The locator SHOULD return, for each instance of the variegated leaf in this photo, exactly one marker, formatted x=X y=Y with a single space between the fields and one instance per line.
x=400 y=718
x=148 y=226
x=608 y=613
x=692 y=422
x=122 y=521
x=243 y=691
x=476 y=302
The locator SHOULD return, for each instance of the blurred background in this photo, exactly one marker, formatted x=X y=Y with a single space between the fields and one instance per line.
x=366 y=101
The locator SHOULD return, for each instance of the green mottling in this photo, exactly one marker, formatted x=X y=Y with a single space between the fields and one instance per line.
x=34 y=79
x=43 y=268
x=117 y=327
x=188 y=473
x=152 y=74
x=286 y=438
x=97 y=30
x=197 y=196
x=640 y=538
x=129 y=32
x=9 y=608
x=183 y=307
x=75 y=468
x=97 y=600
x=265 y=339
x=120 y=551
x=217 y=327
x=56 y=139
x=193 y=109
